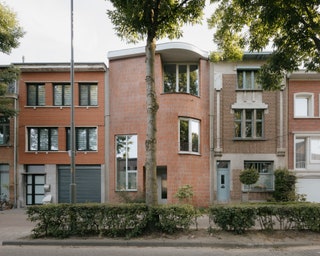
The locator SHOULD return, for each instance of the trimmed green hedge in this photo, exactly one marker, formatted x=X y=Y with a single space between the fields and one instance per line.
x=120 y=220
x=285 y=216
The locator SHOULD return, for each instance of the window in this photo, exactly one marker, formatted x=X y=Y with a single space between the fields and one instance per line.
x=266 y=180
x=247 y=80
x=86 y=139
x=307 y=152
x=189 y=135
x=126 y=162
x=35 y=180
x=4 y=179
x=303 y=105
x=42 y=139
x=248 y=123
x=88 y=94
x=35 y=94
x=62 y=94
x=182 y=78
x=4 y=130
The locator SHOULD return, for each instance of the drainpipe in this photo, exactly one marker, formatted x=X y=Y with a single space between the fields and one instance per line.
x=15 y=183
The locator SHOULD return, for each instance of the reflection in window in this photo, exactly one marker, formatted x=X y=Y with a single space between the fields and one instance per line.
x=88 y=94
x=266 y=177
x=62 y=94
x=248 y=123
x=4 y=130
x=303 y=105
x=35 y=94
x=126 y=161
x=182 y=78
x=42 y=139
x=86 y=139
x=189 y=135
x=247 y=80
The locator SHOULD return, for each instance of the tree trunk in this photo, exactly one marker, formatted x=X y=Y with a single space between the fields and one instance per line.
x=151 y=140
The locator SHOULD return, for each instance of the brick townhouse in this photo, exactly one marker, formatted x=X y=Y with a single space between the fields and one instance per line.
x=304 y=132
x=43 y=166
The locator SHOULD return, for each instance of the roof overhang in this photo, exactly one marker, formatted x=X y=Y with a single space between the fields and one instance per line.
x=60 y=67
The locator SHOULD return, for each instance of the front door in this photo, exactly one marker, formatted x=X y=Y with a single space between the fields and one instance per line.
x=223 y=181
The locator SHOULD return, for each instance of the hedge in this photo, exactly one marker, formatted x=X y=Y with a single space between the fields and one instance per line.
x=285 y=216
x=120 y=220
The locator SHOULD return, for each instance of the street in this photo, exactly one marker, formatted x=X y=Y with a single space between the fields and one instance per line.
x=154 y=251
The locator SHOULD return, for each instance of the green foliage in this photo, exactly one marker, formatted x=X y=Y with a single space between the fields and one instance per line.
x=284 y=186
x=283 y=216
x=291 y=28
x=184 y=193
x=249 y=176
x=121 y=220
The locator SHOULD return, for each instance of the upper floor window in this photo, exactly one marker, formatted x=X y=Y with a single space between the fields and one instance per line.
x=88 y=94
x=248 y=123
x=307 y=151
x=265 y=169
x=4 y=130
x=247 y=79
x=126 y=162
x=36 y=94
x=303 y=105
x=42 y=139
x=189 y=135
x=182 y=78
x=86 y=139
x=62 y=94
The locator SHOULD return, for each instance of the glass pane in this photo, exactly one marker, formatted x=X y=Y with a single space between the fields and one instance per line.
x=32 y=95
x=184 y=135
x=54 y=139
x=301 y=107
x=93 y=95
x=300 y=151
x=41 y=95
x=132 y=180
x=81 y=135
x=39 y=189
x=33 y=139
x=194 y=80
x=182 y=78
x=67 y=95
x=29 y=179
x=39 y=179
x=29 y=199
x=57 y=95
x=169 y=79
x=259 y=129
x=84 y=95
x=240 y=79
x=315 y=148
x=195 y=131
x=29 y=189
x=93 y=139
x=44 y=139
x=38 y=199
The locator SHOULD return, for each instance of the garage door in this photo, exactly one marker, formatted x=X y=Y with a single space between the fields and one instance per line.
x=88 y=183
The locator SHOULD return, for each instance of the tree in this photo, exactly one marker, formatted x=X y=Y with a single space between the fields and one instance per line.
x=10 y=33
x=249 y=177
x=291 y=28
x=135 y=20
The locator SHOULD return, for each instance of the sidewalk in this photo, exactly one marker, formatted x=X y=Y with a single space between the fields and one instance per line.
x=15 y=229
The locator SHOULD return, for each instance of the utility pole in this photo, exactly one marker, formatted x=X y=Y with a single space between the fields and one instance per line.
x=72 y=126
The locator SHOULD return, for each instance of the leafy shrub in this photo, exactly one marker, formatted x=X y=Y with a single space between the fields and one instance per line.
x=184 y=193
x=284 y=186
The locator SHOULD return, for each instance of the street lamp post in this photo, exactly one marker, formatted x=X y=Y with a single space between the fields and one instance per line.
x=72 y=128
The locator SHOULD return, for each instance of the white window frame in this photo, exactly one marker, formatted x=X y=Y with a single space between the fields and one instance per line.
x=310 y=104
x=310 y=164
x=190 y=121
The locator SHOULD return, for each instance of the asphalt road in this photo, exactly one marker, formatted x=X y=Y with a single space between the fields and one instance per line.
x=147 y=251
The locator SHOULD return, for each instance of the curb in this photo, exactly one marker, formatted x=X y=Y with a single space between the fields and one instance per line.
x=129 y=243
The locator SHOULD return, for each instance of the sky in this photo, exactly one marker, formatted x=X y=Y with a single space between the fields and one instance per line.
x=47 y=24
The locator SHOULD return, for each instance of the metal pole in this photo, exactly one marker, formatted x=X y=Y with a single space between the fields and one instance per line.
x=72 y=128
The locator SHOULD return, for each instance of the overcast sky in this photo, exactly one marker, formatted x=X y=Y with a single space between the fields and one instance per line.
x=47 y=27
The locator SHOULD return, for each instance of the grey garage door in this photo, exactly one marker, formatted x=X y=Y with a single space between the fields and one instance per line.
x=88 y=183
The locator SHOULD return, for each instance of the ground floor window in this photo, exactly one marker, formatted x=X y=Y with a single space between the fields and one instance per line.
x=307 y=151
x=4 y=179
x=126 y=162
x=266 y=178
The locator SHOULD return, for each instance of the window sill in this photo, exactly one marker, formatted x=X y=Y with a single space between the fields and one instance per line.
x=249 y=90
x=181 y=93
x=249 y=139
x=189 y=153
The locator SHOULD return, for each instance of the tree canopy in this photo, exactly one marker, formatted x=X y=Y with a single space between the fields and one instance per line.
x=136 y=20
x=10 y=33
x=290 y=28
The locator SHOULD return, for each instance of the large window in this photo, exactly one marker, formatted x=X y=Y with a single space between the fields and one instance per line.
x=248 y=123
x=42 y=139
x=307 y=152
x=88 y=94
x=126 y=162
x=189 y=135
x=303 y=105
x=266 y=176
x=35 y=94
x=182 y=78
x=247 y=79
x=62 y=94
x=4 y=130
x=86 y=139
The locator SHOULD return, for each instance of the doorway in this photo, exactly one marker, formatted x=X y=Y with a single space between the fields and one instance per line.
x=223 y=181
